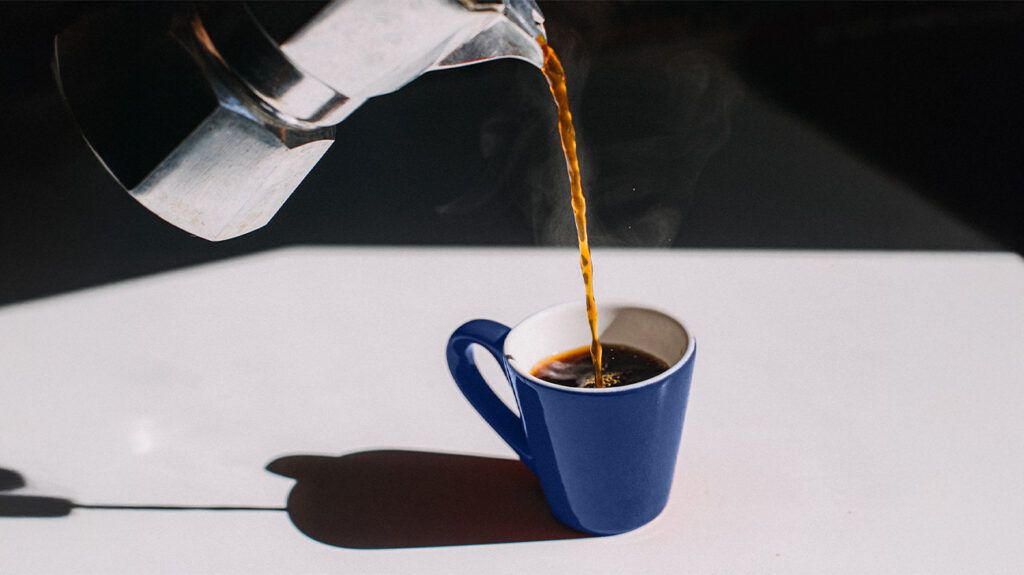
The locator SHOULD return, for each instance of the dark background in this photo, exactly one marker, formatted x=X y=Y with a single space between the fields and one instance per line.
x=732 y=125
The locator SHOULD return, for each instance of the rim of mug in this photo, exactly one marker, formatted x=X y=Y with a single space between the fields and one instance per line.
x=691 y=346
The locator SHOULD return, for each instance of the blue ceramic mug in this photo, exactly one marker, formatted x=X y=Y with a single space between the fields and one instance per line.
x=605 y=457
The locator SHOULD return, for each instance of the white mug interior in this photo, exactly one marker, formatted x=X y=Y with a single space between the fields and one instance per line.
x=564 y=327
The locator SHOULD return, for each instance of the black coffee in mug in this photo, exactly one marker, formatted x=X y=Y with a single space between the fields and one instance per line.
x=622 y=365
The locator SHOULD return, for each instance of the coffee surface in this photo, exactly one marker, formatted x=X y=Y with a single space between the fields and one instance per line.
x=623 y=365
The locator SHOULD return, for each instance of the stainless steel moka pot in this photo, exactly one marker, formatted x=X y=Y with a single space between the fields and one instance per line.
x=211 y=114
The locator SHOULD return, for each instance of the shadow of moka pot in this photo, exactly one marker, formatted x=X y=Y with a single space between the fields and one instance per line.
x=211 y=114
x=36 y=506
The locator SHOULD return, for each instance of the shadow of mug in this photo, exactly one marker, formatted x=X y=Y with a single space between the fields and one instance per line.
x=401 y=499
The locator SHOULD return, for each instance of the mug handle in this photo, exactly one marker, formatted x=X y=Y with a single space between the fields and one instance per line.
x=491 y=336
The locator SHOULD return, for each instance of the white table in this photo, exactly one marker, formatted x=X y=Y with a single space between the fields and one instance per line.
x=850 y=412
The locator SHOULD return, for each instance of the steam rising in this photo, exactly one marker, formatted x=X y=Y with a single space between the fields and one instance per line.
x=647 y=121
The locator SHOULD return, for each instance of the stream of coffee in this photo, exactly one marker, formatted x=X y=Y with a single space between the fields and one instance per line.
x=556 y=81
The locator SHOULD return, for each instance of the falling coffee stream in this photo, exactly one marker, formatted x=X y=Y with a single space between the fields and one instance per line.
x=556 y=81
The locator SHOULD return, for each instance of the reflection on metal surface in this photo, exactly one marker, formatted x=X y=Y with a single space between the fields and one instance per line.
x=211 y=122
x=229 y=177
